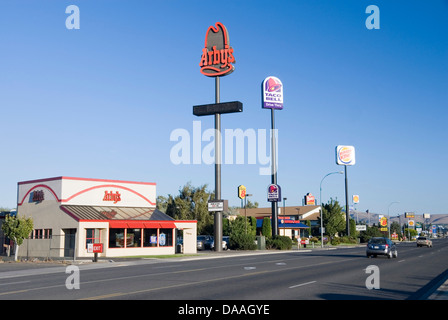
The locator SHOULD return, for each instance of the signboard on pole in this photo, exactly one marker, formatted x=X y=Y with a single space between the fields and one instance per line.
x=217 y=54
x=95 y=248
x=215 y=205
x=274 y=193
x=345 y=155
x=272 y=93
x=409 y=215
x=241 y=192
x=383 y=221
x=310 y=200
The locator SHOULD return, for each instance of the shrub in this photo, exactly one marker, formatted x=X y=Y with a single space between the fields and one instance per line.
x=335 y=241
x=314 y=239
x=242 y=242
x=346 y=239
x=279 y=242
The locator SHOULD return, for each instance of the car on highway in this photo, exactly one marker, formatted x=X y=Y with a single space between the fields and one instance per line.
x=424 y=241
x=204 y=242
x=224 y=243
x=381 y=246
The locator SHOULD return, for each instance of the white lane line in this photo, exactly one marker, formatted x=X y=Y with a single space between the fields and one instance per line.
x=302 y=284
x=9 y=283
x=401 y=260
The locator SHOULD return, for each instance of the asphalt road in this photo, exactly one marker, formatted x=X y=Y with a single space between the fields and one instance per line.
x=338 y=274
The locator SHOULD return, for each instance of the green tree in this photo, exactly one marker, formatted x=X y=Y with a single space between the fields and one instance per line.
x=17 y=229
x=266 y=227
x=395 y=227
x=353 y=233
x=250 y=205
x=333 y=218
x=190 y=204
x=239 y=239
x=370 y=232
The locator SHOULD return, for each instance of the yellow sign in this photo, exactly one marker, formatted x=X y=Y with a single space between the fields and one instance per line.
x=241 y=192
x=383 y=222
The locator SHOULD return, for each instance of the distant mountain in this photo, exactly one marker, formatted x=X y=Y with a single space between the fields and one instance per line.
x=364 y=217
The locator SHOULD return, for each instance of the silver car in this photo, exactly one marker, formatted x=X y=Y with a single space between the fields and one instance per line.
x=424 y=241
x=381 y=246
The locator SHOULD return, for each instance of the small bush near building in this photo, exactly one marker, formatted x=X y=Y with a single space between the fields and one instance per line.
x=279 y=242
x=242 y=242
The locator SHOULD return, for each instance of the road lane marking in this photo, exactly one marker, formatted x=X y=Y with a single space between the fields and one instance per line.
x=9 y=283
x=211 y=280
x=302 y=284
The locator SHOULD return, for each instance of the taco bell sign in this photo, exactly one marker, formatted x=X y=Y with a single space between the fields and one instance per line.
x=272 y=93
x=274 y=193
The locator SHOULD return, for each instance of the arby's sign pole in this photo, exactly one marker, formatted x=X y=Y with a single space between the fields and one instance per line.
x=216 y=61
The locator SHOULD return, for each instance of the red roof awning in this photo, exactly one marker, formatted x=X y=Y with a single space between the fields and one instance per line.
x=117 y=225
x=140 y=224
x=135 y=224
x=167 y=224
x=151 y=225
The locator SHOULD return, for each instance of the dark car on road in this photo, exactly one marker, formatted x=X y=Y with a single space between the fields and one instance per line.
x=381 y=246
x=204 y=242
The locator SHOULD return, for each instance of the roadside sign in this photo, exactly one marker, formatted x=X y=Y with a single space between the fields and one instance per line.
x=361 y=227
x=216 y=205
x=274 y=193
x=345 y=155
x=241 y=192
x=95 y=248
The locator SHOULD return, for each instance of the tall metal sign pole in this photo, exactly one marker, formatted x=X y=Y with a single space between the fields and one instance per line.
x=345 y=156
x=218 y=158
x=272 y=97
x=217 y=60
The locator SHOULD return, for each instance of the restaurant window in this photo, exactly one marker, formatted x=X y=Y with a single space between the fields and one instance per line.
x=48 y=233
x=165 y=237
x=116 y=238
x=133 y=238
x=92 y=236
x=37 y=234
x=150 y=237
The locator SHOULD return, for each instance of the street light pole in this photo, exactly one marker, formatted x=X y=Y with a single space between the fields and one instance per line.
x=284 y=213
x=245 y=210
x=321 y=212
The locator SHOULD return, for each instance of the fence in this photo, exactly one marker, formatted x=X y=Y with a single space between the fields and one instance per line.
x=56 y=246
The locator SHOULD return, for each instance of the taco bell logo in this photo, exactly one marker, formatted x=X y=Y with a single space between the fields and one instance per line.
x=272 y=93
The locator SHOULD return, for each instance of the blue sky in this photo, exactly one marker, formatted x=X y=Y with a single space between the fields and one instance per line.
x=102 y=101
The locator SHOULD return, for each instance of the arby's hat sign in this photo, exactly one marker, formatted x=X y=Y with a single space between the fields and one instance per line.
x=217 y=55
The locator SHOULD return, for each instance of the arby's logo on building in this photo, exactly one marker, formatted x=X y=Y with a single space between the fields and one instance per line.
x=217 y=55
x=112 y=196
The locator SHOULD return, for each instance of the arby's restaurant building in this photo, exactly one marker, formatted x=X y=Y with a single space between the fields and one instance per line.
x=75 y=217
